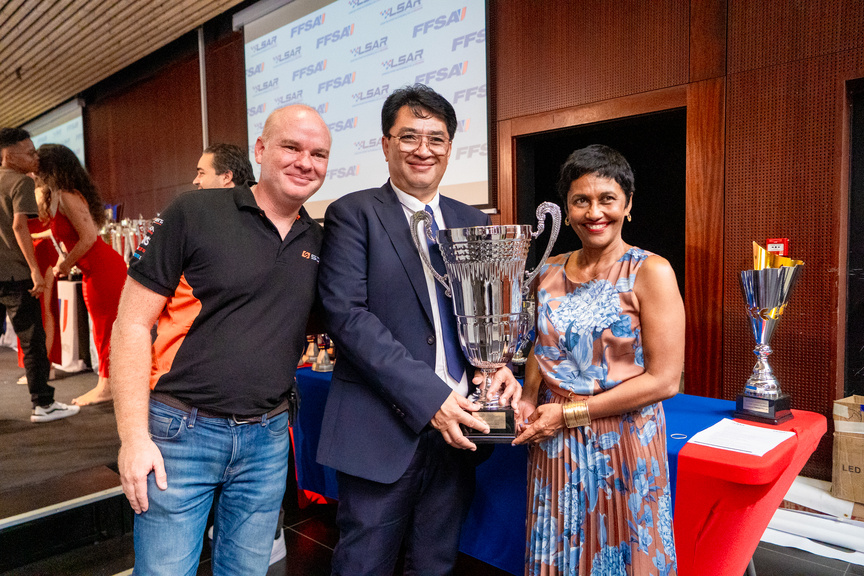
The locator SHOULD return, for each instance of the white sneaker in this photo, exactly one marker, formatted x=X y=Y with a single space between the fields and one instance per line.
x=54 y=411
x=279 y=551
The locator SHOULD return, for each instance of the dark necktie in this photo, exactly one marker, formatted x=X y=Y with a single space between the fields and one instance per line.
x=452 y=350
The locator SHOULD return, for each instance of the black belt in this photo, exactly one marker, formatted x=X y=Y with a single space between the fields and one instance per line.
x=173 y=402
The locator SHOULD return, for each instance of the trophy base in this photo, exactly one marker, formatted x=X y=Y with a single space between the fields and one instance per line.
x=502 y=427
x=764 y=410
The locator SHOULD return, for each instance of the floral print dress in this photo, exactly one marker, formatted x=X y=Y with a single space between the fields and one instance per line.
x=599 y=501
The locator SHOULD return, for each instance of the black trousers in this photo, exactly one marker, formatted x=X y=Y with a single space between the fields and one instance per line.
x=423 y=510
x=25 y=312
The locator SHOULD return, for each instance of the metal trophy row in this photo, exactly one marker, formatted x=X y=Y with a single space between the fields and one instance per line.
x=319 y=352
x=125 y=235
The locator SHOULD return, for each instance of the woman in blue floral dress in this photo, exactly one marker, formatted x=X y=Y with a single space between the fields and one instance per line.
x=609 y=349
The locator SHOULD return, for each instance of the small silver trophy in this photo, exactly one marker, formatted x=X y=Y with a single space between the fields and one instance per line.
x=323 y=362
x=311 y=352
x=487 y=281
x=767 y=290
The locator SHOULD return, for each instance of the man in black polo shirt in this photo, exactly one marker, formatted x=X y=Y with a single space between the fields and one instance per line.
x=230 y=277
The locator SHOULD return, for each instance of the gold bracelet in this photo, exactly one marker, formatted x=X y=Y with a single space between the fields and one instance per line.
x=586 y=417
x=569 y=414
x=579 y=411
x=576 y=414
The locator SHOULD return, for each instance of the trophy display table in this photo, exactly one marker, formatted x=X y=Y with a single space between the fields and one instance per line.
x=723 y=500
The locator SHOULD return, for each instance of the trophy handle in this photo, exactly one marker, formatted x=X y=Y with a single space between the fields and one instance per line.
x=423 y=216
x=545 y=208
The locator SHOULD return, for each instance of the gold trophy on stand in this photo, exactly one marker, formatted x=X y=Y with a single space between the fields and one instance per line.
x=767 y=289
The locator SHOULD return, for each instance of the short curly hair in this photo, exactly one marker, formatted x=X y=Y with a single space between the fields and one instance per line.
x=596 y=159
x=11 y=136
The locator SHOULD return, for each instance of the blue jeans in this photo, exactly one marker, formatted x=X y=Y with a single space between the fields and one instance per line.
x=248 y=461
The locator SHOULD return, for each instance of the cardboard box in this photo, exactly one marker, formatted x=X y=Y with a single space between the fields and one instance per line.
x=848 y=471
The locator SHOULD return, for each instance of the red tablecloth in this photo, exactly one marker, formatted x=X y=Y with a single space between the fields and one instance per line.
x=724 y=500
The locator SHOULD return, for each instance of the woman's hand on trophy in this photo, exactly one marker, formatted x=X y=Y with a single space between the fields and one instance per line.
x=544 y=422
x=524 y=408
x=457 y=410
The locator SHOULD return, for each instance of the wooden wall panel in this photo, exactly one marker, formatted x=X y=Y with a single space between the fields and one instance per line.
x=562 y=53
x=707 y=39
x=766 y=34
x=226 y=90
x=143 y=144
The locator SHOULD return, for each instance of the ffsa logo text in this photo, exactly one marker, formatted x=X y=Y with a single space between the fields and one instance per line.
x=440 y=22
x=308 y=25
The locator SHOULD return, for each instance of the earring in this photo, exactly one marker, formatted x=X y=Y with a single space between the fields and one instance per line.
x=629 y=217
x=567 y=221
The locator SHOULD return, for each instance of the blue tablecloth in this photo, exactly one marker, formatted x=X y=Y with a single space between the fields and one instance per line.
x=495 y=529
x=685 y=416
x=313 y=395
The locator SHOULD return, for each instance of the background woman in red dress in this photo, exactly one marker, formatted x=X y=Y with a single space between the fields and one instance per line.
x=76 y=213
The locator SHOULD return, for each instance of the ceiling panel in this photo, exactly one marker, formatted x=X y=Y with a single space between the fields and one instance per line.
x=50 y=51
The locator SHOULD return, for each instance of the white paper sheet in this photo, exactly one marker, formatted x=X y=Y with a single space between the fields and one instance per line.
x=738 y=437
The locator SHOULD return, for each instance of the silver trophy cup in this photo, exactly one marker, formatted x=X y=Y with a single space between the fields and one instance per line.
x=486 y=280
x=766 y=292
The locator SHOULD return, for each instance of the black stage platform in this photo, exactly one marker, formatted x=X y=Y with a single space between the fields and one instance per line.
x=59 y=488
x=34 y=453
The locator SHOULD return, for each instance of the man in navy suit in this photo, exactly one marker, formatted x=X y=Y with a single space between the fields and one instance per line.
x=399 y=388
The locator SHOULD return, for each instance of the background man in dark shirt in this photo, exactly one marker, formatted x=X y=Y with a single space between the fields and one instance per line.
x=223 y=166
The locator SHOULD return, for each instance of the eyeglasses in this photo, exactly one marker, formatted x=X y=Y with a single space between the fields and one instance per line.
x=410 y=142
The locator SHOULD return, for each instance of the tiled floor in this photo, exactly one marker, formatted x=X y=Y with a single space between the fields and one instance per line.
x=310 y=535
x=771 y=560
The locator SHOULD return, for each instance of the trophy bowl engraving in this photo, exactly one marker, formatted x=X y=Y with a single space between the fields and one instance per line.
x=486 y=265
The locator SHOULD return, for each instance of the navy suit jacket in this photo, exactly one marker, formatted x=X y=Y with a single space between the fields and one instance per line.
x=376 y=306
